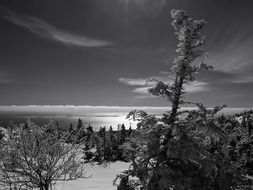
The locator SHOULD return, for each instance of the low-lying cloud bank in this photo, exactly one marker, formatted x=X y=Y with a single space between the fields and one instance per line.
x=90 y=110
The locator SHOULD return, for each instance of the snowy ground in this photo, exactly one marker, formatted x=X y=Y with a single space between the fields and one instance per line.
x=99 y=177
x=102 y=177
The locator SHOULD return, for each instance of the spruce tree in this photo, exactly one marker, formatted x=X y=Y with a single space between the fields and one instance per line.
x=175 y=153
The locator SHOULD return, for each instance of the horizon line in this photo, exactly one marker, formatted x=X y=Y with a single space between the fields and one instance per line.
x=106 y=106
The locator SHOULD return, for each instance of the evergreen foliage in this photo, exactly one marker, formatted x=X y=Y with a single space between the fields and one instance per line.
x=198 y=151
x=105 y=145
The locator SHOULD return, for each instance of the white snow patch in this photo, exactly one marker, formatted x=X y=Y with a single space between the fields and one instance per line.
x=99 y=177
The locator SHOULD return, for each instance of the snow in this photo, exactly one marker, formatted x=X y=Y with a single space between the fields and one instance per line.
x=98 y=177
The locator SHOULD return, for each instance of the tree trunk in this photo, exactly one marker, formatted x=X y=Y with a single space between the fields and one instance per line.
x=44 y=187
x=175 y=104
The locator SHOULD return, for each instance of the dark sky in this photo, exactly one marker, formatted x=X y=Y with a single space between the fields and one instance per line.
x=100 y=52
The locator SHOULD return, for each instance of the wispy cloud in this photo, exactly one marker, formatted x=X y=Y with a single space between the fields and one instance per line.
x=135 y=81
x=141 y=90
x=231 y=49
x=196 y=86
x=141 y=85
x=192 y=87
x=223 y=77
x=48 y=31
x=244 y=79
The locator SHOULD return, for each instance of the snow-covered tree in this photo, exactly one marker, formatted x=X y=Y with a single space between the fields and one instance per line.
x=35 y=158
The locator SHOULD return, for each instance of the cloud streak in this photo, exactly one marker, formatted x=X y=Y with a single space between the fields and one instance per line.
x=230 y=49
x=141 y=85
x=48 y=31
x=135 y=81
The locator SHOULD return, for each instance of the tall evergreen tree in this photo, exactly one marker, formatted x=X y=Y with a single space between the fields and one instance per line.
x=173 y=153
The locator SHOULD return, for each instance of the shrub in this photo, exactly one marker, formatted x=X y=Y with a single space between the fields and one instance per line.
x=35 y=158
